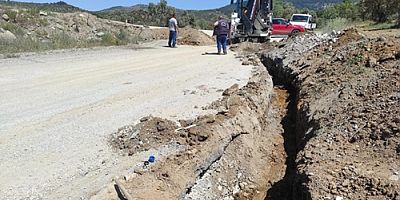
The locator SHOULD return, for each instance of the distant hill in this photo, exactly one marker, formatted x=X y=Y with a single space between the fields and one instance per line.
x=202 y=18
x=313 y=4
x=125 y=8
x=157 y=15
x=143 y=14
x=60 y=6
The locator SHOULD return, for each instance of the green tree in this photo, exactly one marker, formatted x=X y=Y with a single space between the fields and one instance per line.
x=379 y=11
x=395 y=6
x=283 y=9
x=347 y=9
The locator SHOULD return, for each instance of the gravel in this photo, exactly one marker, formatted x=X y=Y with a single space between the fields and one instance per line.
x=58 y=109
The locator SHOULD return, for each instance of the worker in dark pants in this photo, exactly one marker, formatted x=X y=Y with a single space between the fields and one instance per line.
x=221 y=31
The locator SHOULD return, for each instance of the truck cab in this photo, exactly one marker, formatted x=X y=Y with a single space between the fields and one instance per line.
x=304 y=20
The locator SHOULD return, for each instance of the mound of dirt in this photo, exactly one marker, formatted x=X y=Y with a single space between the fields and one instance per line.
x=193 y=37
x=148 y=34
x=348 y=36
x=355 y=95
x=348 y=121
x=186 y=36
x=151 y=133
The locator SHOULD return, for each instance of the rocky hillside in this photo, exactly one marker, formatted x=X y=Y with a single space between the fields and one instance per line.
x=53 y=7
x=24 y=29
x=34 y=27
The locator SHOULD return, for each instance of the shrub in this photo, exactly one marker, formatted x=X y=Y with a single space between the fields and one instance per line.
x=63 y=41
x=43 y=22
x=337 y=24
x=123 y=37
x=12 y=14
x=13 y=28
x=108 y=39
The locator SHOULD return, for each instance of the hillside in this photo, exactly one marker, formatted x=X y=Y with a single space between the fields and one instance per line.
x=313 y=4
x=60 y=6
x=157 y=14
x=27 y=27
x=125 y=8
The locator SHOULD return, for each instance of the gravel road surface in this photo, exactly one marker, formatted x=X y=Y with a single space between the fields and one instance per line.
x=57 y=110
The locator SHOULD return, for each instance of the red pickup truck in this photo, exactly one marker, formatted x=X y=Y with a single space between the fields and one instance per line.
x=281 y=26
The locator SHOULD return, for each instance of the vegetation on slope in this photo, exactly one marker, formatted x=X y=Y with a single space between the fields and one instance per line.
x=60 y=6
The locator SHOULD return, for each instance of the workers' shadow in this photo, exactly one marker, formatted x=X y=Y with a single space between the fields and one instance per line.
x=210 y=54
x=169 y=47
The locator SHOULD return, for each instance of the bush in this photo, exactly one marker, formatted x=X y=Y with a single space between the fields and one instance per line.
x=108 y=39
x=13 y=28
x=63 y=41
x=58 y=41
x=123 y=37
x=19 y=45
x=12 y=15
x=337 y=24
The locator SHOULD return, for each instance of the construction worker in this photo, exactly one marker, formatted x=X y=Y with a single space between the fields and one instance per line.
x=173 y=30
x=221 y=31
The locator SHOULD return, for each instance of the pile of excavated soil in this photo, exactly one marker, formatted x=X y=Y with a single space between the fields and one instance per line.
x=186 y=36
x=154 y=34
x=193 y=37
x=349 y=36
x=348 y=124
x=151 y=133
x=246 y=48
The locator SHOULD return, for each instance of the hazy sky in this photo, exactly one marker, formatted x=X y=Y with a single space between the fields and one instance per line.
x=94 y=5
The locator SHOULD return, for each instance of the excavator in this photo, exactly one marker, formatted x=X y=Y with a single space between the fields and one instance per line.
x=251 y=22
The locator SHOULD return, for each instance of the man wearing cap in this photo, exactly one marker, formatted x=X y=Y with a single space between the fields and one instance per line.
x=221 y=31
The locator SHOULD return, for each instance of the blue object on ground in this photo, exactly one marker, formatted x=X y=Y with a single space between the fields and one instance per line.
x=152 y=159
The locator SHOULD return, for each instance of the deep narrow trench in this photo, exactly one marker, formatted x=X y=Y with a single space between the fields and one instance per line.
x=283 y=190
x=288 y=188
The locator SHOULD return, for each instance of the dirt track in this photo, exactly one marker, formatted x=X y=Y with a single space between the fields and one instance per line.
x=57 y=109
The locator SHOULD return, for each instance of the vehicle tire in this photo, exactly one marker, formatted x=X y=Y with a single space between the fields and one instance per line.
x=261 y=40
x=295 y=33
x=235 y=40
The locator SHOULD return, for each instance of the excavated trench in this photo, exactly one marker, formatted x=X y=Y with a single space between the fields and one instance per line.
x=295 y=124
x=246 y=151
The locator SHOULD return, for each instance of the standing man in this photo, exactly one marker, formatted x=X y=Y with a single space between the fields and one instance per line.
x=173 y=30
x=221 y=31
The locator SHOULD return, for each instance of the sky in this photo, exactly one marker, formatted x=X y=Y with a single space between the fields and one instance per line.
x=94 y=5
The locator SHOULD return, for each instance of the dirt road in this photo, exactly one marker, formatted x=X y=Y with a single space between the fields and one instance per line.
x=57 y=111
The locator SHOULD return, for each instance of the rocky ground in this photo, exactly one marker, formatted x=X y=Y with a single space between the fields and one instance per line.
x=59 y=108
x=323 y=124
x=329 y=129
x=223 y=156
x=348 y=123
